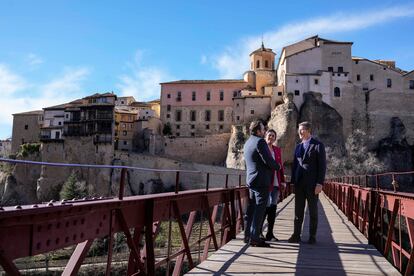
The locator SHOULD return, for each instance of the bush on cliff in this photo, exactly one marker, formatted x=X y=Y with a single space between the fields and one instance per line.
x=358 y=160
x=28 y=149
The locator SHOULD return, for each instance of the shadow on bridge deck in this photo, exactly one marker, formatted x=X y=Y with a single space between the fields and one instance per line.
x=340 y=250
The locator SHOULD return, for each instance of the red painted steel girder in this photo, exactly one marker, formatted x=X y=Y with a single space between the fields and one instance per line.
x=29 y=230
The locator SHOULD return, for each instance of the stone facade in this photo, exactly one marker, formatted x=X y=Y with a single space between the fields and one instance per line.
x=26 y=128
x=5 y=147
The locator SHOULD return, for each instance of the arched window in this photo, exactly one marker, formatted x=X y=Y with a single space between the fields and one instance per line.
x=266 y=64
x=258 y=64
x=337 y=92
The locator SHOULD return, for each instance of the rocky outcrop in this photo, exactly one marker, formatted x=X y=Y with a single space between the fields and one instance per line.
x=326 y=121
x=235 y=159
x=284 y=121
x=19 y=185
x=396 y=153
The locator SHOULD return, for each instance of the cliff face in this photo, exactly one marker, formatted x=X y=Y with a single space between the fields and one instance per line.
x=396 y=153
x=284 y=120
x=327 y=123
x=19 y=186
x=235 y=159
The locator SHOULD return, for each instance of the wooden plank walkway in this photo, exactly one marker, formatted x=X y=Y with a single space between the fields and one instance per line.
x=340 y=250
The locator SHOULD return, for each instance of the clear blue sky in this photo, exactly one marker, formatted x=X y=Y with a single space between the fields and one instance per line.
x=56 y=51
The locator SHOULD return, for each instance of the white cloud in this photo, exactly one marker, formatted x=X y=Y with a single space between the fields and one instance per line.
x=33 y=59
x=204 y=59
x=64 y=88
x=10 y=82
x=143 y=81
x=229 y=62
x=66 y=85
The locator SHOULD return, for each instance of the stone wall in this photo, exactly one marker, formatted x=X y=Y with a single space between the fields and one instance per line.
x=210 y=149
x=142 y=182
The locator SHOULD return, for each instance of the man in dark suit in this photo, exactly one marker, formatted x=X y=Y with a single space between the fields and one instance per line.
x=259 y=170
x=308 y=176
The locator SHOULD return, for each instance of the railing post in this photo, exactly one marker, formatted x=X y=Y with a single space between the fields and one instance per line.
x=377 y=181
x=149 y=239
x=207 y=181
x=233 y=215
x=122 y=184
x=240 y=180
x=227 y=181
x=177 y=182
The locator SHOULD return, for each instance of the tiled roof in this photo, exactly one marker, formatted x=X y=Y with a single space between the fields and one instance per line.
x=34 y=112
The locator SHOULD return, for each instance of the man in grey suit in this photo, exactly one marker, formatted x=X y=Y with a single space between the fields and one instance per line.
x=259 y=169
x=308 y=176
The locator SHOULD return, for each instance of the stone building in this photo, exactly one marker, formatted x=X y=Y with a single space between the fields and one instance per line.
x=26 y=128
x=5 y=147
x=91 y=116
x=53 y=120
x=124 y=127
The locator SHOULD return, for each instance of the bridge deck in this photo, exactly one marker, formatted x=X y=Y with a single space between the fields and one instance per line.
x=340 y=250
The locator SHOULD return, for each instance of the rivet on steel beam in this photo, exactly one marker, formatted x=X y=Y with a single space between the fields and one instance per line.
x=34 y=206
x=1 y=208
x=85 y=198
x=50 y=203
x=74 y=199
x=94 y=198
x=101 y=197
x=63 y=201
x=18 y=207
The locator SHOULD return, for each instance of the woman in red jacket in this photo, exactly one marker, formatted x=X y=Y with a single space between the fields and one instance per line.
x=278 y=181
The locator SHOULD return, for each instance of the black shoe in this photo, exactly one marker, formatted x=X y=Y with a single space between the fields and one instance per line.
x=312 y=240
x=262 y=237
x=294 y=239
x=271 y=238
x=246 y=239
x=259 y=244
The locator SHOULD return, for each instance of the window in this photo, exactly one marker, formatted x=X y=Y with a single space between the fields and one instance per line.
x=177 y=134
x=266 y=64
x=316 y=81
x=221 y=115
x=192 y=126
x=341 y=69
x=168 y=107
x=192 y=115
x=168 y=96
x=193 y=96
x=389 y=83
x=207 y=116
x=124 y=133
x=237 y=104
x=192 y=134
x=208 y=95
x=411 y=84
x=207 y=126
x=60 y=123
x=177 y=126
x=125 y=143
x=238 y=118
x=179 y=96
x=279 y=93
x=356 y=61
x=26 y=126
x=358 y=77
x=297 y=92
x=258 y=64
x=371 y=77
x=67 y=116
x=221 y=95
x=252 y=111
x=221 y=127
x=297 y=81
x=330 y=69
x=337 y=92
x=178 y=115
x=168 y=116
x=234 y=93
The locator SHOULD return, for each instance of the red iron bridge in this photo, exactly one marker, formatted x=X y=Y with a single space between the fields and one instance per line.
x=363 y=230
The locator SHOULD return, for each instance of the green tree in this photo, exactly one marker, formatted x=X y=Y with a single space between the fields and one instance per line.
x=73 y=188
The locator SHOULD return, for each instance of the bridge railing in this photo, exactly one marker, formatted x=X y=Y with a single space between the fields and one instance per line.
x=215 y=213
x=385 y=217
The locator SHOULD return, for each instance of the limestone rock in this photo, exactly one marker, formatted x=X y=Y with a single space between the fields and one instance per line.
x=235 y=159
x=396 y=153
x=326 y=122
x=284 y=121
